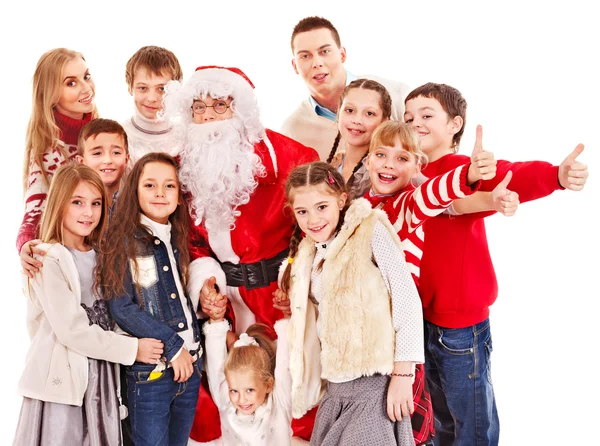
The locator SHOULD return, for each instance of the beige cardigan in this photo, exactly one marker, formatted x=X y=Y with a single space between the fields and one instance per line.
x=56 y=367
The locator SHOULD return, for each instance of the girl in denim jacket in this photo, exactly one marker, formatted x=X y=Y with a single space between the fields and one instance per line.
x=144 y=276
x=69 y=384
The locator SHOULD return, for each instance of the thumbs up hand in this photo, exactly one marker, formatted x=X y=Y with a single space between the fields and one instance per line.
x=505 y=201
x=572 y=174
x=483 y=164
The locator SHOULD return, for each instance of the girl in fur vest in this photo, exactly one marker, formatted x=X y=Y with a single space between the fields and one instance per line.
x=356 y=328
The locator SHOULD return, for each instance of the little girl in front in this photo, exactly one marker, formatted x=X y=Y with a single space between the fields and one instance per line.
x=251 y=384
x=144 y=276
x=356 y=316
x=69 y=385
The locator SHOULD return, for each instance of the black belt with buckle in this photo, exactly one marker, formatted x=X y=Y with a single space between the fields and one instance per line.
x=254 y=275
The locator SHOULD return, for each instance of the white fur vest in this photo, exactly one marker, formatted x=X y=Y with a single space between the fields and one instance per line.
x=357 y=336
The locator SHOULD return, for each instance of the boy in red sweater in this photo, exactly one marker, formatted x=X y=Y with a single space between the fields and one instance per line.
x=458 y=283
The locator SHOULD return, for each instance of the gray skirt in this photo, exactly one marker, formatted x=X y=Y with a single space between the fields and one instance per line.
x=95 y=423
x=354 y=414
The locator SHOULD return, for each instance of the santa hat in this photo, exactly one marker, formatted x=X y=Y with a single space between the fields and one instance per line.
x=217 y=76
x=217 y=82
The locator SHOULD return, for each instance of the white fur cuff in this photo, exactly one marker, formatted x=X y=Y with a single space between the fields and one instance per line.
x=216 y=328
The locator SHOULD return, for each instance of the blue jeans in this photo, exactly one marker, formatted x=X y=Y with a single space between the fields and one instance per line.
x=458 y=369
x=162 y=410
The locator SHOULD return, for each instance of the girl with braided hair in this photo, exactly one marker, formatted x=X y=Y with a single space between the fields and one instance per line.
x=356 y=328
x=364 y=104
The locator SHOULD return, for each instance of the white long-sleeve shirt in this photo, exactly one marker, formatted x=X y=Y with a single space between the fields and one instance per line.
x=270 y=425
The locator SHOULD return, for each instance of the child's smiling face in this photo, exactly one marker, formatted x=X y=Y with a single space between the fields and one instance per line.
x=246 y=391
x=391 y=168
x=317 y=211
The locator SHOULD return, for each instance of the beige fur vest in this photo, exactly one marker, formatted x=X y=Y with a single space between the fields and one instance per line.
x=356 y=332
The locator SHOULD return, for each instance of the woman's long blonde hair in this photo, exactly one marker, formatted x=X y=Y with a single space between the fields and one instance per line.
x=42 y=131
x=64 y=182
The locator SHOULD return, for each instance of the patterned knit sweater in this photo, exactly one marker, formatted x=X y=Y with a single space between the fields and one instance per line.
x=411 y=207
x=38 y=181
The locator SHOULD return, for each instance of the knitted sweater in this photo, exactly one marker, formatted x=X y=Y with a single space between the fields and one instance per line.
x=458 y=282
x=312 y=130
x=37 y=188
x=149 y=135
x=409 y=208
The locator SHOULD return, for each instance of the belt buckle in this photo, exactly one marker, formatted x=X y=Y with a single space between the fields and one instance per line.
x=263 y=282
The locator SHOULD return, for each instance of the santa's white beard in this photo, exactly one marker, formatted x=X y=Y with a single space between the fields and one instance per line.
x=218 y=168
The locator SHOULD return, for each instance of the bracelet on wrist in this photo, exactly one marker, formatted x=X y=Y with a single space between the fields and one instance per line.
x=404 y=375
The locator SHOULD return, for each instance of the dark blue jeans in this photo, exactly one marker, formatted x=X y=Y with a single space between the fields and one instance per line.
x=458 y=369
x=162 y=410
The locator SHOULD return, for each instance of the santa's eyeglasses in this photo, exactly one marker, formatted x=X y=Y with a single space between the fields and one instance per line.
x=199 y=107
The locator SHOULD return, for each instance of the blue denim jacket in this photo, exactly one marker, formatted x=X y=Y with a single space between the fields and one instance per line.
x=161 y=316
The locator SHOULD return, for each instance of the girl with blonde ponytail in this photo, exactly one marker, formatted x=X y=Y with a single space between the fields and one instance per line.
x=250 y=384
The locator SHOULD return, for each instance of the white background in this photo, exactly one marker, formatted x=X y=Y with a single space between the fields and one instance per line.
x=528 y=74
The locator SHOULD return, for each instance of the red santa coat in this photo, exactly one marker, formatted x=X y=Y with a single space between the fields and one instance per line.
x=262 y=230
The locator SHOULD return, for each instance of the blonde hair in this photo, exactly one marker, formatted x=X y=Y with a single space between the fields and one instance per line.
x=389 y=132
x=260 y=359
x=64 y=182
x=42 y=131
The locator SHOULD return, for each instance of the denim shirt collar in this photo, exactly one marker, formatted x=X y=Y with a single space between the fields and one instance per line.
x=325 y=112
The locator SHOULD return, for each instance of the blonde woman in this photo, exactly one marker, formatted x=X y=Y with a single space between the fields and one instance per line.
x=62 y=102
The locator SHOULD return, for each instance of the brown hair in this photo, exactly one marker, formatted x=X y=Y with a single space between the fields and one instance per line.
x=451 y=100
x=64 y=182
x=258 y=359
x=97 y=126
x=42 y=130
x=389 y=132
x=310 y=174
x=159 y=61
x=114 y=258
x=385 y=103
x=312 y=23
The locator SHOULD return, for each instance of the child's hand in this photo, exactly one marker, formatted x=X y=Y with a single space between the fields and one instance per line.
x=183 y=366
x=505 y=201
x=29 y=263
x=572 y=174
x=149 y=350
x=218 y=313
x=483 y=164
x=400 y=398
x=282 y=303
x=212 y=305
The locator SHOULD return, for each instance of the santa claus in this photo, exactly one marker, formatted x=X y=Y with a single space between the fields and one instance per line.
x=234 y=172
